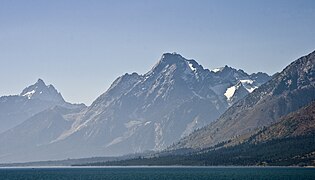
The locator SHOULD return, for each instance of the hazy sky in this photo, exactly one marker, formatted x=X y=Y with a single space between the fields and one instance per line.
x=81 y=47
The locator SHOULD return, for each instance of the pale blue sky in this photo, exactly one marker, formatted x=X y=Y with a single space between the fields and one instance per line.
x=81 y=47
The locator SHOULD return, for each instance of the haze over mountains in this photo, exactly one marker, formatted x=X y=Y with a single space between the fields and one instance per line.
x=137 y=113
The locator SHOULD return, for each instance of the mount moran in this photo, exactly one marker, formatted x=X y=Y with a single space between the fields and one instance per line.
x=137 y=113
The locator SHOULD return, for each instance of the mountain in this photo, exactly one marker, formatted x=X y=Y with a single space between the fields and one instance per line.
x=286 y=92
x=32 y=100
x=140 y=112
x=151 y=111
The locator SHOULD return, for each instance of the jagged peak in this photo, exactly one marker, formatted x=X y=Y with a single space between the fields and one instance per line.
x=40 y=81
x=40 y=90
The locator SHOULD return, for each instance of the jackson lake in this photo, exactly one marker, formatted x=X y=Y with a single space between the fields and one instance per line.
x=136 y=173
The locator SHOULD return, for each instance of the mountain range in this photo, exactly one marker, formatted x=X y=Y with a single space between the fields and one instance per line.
x=274 y=125
x=137 y=113
x=177 y=107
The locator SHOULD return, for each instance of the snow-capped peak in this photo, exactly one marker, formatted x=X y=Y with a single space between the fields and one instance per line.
x=31 y=90
x=40 y=90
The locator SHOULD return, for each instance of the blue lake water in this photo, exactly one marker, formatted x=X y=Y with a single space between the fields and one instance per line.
x=138 y=173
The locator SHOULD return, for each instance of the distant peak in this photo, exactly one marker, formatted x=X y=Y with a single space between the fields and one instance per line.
x=40 y=90
x=226 y=67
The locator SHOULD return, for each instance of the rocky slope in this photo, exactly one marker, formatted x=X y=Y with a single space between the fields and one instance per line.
x=298 y=123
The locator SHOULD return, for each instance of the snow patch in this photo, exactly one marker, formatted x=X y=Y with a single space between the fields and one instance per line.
x=29 y=94
x=230 y=92
x=251 y=89
x=248 y=81
x=217 y=70
x=147 y=123
x=249 y=85
x=192 y=67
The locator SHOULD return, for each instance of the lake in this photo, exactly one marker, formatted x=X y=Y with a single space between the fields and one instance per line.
x=138 y=173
